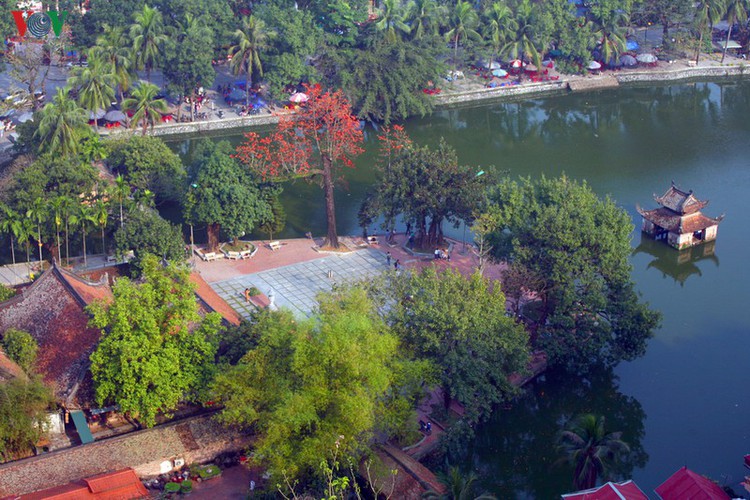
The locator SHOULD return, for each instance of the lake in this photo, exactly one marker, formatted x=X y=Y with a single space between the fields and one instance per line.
x=687 y=401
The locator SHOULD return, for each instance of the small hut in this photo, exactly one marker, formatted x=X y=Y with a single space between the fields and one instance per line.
x=679 y=220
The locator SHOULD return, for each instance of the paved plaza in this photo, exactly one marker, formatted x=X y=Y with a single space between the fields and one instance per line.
x=295 y=286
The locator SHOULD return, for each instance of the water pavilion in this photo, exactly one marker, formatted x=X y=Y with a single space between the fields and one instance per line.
x=679 y=220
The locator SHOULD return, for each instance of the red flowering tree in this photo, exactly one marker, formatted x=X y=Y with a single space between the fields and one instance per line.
x=313 y=144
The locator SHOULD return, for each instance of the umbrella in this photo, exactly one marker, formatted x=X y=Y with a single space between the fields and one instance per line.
x=594 y=65
x=98 y=116
x=646 y=58
x=499 y=73
x=26 y=117
x=548 y=63
x=632 y=45
x=516 y=63
x=614 y=63
x=236 y=95
x=492 y=65
x=298 y=97
x=628 y=60
x=115 y=116
x=530 y=68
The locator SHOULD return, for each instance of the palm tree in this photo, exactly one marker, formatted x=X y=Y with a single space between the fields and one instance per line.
x=39 y=212
x=252 y=39
x=120 y=191
x=113 y=49
x=62 y=125
x=57 y=205
x=101 y=214
x=24 y=237
x=69 y=211
x=392 y=21
x=523 y=43
x=87 y=217
x=458 y=486
x=424 y=17
x=463 y=21
x=12 y=224
x=95 y=87
x=148 y=35
x=590 y=449
x=147 y=109
x=708 y=13
x=736 y=12
x=610 y=32
x=500 y=26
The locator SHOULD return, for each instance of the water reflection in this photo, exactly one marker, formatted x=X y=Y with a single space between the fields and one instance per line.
x=677 y=264
x=515 y=452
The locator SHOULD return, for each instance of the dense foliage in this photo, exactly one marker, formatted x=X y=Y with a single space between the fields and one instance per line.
x=156 y=350
x=21 y=347
x=577 y=247
x=23 y=416
x=147 y=233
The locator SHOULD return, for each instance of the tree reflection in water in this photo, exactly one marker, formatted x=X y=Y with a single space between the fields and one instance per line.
x=515 y=452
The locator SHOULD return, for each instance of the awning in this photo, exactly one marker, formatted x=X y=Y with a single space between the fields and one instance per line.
x=79 y=419
x=729 y=45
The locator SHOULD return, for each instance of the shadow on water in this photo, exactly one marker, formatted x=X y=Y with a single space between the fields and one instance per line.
x=514 y=453
x=677 y=264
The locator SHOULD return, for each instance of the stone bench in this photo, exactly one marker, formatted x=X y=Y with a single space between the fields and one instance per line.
x=274 y=245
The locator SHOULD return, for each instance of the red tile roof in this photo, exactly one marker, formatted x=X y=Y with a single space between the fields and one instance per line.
x=687 y=485
x=119 y=485
x=211 y=301
x=52 y=311
x=680 y=201
x=667 y=219
x=8 y=368
x=610 y=491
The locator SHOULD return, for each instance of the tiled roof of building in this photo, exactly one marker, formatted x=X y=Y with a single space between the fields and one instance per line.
x=680 y=201
x=8 y=368
x=627 y=490
x=52 y=311
x=210 y=301
x=686 y=484
x=120 y=485
x=667 y=219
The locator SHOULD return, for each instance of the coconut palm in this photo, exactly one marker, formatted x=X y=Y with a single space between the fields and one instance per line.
x=39 y=212
x=24 y=237
x=119 y=192
x=148 y=36
x=147 y=108
x=522 y=45
x=113 y=48
x=12 y=224
x=463 y=22
x=590 y=449
x=708 y=13
x=86 y=216
x=736 y=12
x=252 y=39
x=609 y=30
x=391 y=21
x=70 y=214
x=57 y=208
x=459 y=486
x=62 y=125
x=95 y=86
x=101 y=214
x=424 y=17
x=500 y=26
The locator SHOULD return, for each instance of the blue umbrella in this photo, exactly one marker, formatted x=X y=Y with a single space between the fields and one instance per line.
x=236 y=95
x=499 y=73
x=632 y=45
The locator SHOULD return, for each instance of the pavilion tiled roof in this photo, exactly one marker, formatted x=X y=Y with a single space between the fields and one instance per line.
x=627 y=490
x=53 y=311
x=120 y=485
x=8 y=368
x=680 y=201
x=667 y=219
x=687 y=485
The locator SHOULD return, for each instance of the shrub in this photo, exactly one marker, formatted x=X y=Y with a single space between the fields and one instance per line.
x=186 y=486
x=6 y=293
x=21 y=347
x=209 y=471
x=254 y=291
x=172 y=487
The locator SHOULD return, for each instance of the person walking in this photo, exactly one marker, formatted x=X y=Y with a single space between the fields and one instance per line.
x=396 y=264
x=388 y=259
x=247 y=295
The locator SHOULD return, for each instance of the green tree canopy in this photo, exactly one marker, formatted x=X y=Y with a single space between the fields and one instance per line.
x=146 y=106
x=21 y=347
x=62 y=125
x=146 y=232
x=156 y=350
x=311 y=386
x=578 y=246
x=23 y=417
x=147 y=163
x=223 y=195
x=459 y=324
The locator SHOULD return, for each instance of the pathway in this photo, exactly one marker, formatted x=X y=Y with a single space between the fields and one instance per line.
x=17 y=274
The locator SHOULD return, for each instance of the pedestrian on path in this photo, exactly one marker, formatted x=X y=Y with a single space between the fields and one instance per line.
x=247 y=295
x=388 y=259
x=396 y=264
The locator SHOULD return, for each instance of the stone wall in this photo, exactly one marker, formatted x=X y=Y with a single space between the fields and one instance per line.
x=676 y=71
x=238 y=122
x=513 y=91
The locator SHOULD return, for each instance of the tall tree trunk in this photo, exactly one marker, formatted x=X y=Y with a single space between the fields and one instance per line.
x=59 y=251
x=455 y=54
x=39 y=242
x=12 y=250
x=85 y=262
x=67 y=244
x=726 y=44
x=332 y=238
x=248 y=82
x=700 y=46
x=213 y=230
x=28 y=251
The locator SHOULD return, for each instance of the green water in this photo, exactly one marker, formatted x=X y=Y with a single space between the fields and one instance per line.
x=686 y=402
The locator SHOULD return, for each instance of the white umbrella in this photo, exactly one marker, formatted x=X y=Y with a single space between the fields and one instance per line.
x=594 y=65
x=26 y=117
x=499 y=73
x=516 y=63
x=646 y=58
x=298 y=98
x=98 y=115
x=628 y=60
x=492 y=65
x=115 y=116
